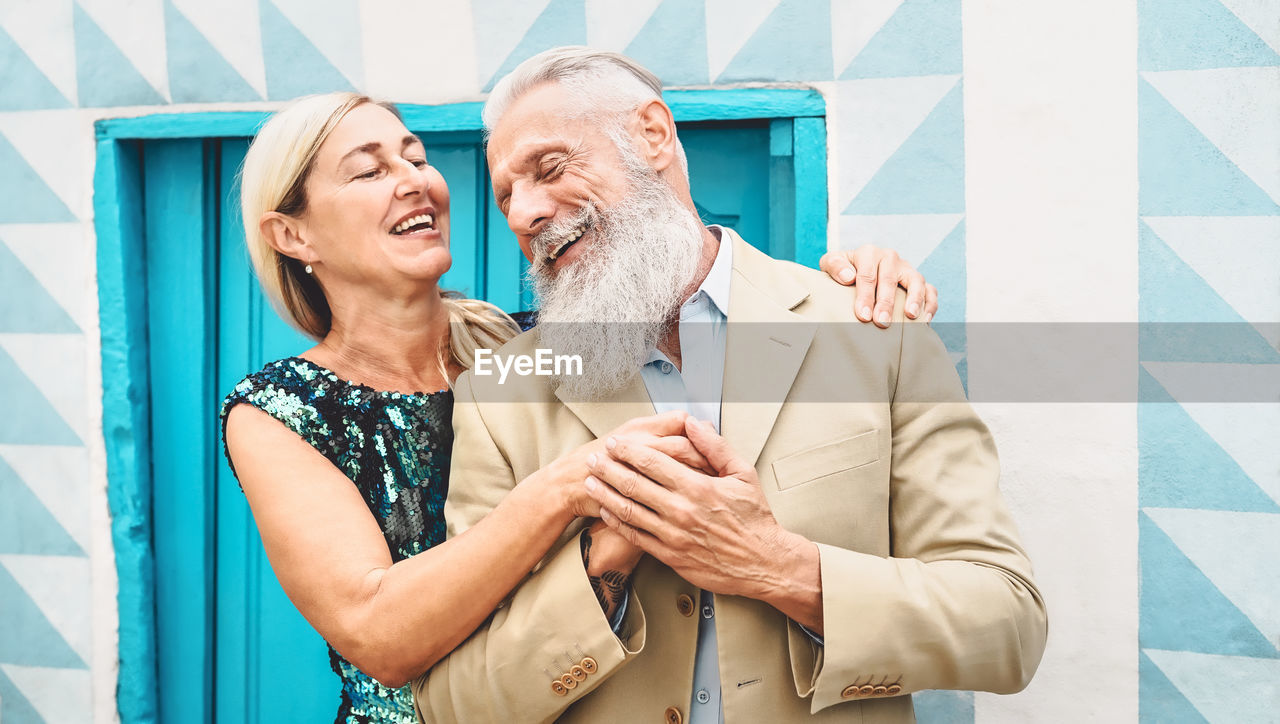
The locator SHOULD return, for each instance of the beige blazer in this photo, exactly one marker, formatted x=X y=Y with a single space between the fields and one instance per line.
x=874 y=455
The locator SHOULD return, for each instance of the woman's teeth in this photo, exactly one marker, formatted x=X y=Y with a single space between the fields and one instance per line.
x=407 y=224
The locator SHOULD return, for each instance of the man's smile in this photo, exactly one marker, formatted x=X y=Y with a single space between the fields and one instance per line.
x=567 y=242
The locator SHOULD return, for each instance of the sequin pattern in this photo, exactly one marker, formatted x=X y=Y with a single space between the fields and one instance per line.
x=395 y=448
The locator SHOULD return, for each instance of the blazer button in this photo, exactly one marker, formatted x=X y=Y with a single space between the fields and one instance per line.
x=589 y=665
x=880 y=690
x=866 y=690
x=569 y=682
x=850 y=691
x=673 y=715
x=684 y=605
x=894 y=690
x=577 y=672
x=559 y=689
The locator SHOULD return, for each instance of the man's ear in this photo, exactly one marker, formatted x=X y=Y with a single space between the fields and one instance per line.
x=284 y=235
x=656 y=134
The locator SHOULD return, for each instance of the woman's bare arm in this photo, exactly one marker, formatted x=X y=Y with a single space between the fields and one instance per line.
x=393 y=621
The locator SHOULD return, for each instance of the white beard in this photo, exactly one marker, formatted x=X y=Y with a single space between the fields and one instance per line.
x=614 y=303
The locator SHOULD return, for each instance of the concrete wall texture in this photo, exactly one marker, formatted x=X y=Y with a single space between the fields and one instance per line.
x=1096 y=161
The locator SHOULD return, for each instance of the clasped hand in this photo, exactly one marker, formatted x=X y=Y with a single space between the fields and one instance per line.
x=709 y=522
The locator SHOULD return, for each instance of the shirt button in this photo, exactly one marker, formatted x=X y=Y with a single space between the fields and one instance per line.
x=666 y=367
x=684 y=604
x=703 y=696
x=708 y=610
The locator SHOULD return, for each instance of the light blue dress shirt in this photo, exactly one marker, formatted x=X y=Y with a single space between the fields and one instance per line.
x=696 y=387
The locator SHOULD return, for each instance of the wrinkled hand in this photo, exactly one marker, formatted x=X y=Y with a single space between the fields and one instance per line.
x=565 y=474
x=715 y=530
x=877 y=274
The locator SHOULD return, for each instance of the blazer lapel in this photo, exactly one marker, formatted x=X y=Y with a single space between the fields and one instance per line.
x=604 y=416
x=766 y=345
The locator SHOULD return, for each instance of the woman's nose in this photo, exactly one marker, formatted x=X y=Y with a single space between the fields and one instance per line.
x=412 y=179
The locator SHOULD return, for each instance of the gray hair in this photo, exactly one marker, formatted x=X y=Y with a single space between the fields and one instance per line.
x=603 y=84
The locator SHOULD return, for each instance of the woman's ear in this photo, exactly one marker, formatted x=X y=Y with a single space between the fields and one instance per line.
x=282 y=232
x=657 y=134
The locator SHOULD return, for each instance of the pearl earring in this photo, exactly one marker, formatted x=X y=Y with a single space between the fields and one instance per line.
x=307 y=269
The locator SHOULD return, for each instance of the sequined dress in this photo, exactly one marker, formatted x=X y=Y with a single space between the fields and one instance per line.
x=395 y=448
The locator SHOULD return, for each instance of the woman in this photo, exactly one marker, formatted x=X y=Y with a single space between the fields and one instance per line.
x=347 y=226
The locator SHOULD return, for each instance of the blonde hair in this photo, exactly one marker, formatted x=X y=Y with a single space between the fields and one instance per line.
x=274 y=178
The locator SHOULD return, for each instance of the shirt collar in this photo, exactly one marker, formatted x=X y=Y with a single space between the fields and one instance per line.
x=715 y=286
x=716 y=283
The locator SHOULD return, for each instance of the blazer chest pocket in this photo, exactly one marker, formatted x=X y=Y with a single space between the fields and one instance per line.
x=826 y=459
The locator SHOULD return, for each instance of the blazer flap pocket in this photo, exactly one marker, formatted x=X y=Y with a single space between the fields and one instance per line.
x=826 y=459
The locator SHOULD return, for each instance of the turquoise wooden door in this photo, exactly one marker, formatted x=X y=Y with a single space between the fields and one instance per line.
x=230 y=645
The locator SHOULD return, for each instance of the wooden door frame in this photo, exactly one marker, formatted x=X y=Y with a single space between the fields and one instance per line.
x=798 y=148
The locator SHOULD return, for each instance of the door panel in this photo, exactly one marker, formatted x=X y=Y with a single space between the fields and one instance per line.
x=178 y=185
x=729 y=176
x=227 y=628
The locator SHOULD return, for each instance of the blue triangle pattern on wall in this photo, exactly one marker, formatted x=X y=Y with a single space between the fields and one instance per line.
x=562 y=22
x=1196 y=34
x=1179 y=608
x=793 y=42
x=294 y=66
x=27 y=199
x=1181 y=173
x=1182 y=466
x=945 y=269
x=25 y=87
x=25 y=306
x=14 y=707
x=921 y=38
x=926 y=174
x=1159 y=700
x=1171 y=292
x=104 y=77
x=673 y=43
x=197 y=71
x=26 y=526
x=26 y=636
x=31 y=420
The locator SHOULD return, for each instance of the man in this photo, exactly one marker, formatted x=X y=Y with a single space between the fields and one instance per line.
x=821 y=560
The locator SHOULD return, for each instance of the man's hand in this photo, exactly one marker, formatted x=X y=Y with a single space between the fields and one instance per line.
x=715 y=530
x=877 y=274
x=565 y=474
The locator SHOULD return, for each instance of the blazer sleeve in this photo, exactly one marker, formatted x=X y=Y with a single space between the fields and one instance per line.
x=512 y=668
x=954 y=607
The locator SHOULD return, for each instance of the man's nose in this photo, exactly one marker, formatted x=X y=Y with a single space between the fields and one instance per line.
x=529 y=210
